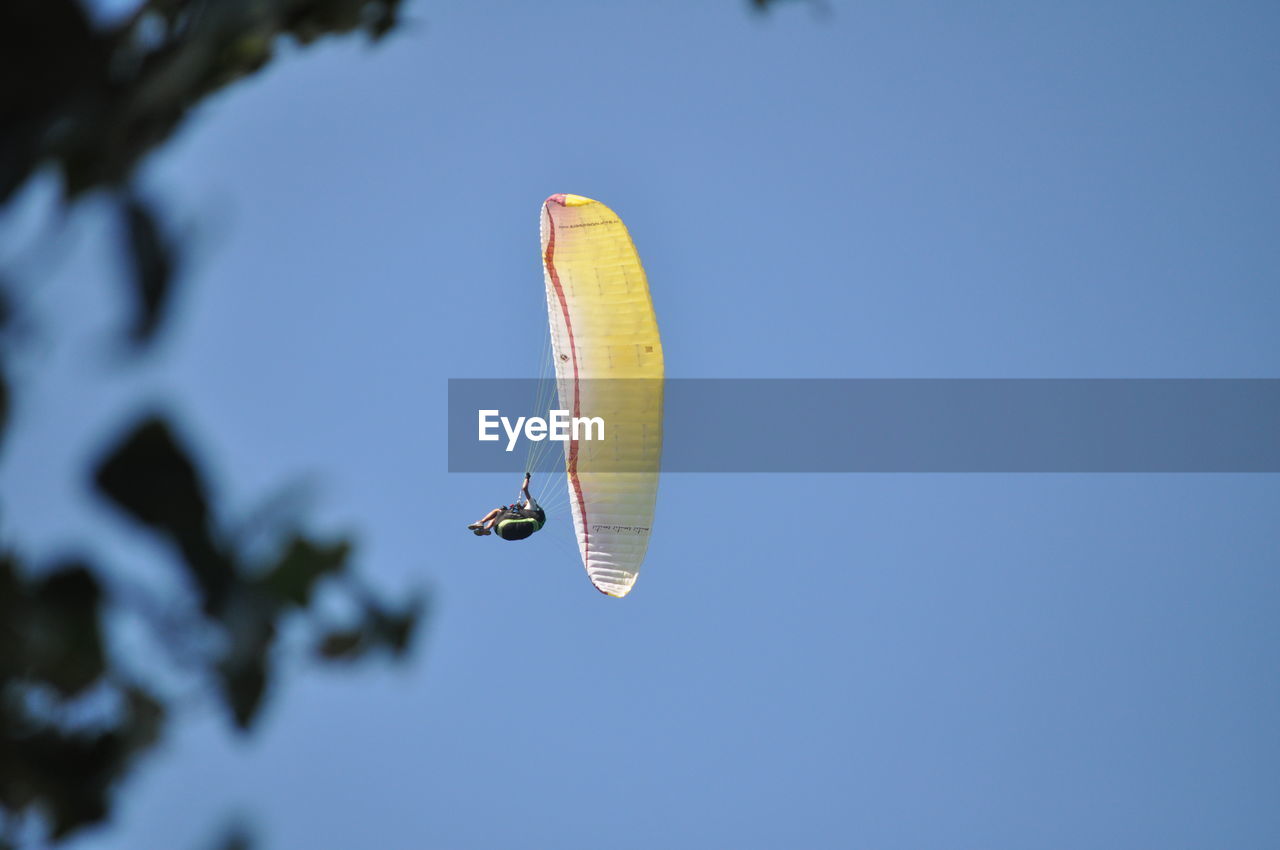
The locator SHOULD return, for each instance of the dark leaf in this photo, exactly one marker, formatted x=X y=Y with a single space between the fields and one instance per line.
x=12 y=606
x=293 y=578
x=383 y=19
x=96 y=102
x=343 y=644
x=49 y=53
x=150 y=476
x=66 y=774
x=819 y=7
x=152 y=479
x=49 y=628
x=244 y=682
x=235 y=838
x=390 y=630
x=395 y=630
x=250 y=624
x=63 y=642
x=96 y=760
x=152 y=265
x=143 y=721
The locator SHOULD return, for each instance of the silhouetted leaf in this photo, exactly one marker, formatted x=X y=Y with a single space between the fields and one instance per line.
x=250 y=625
x=395 y=630
x=152 y=267
x=95 y=759
x=39 y=763
x=819 y=7
x=49 y=628
x=144 y=719
x=342 y=644
x=235 y=838
x=150 y=476
x=51 y=638
x=383 y=19
x=244 y=682
x=96 y=102
x=63 y=641
x=293 y=578
x=12 y=606
x=49 y=53
x=378 y=628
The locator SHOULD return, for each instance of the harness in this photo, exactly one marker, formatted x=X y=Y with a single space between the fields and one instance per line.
x=517 y=528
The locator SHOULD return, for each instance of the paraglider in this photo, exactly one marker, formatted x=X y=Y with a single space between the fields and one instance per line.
x=608 y=363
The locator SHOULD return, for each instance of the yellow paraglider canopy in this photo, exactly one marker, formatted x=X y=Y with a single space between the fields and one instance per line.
x=608 y=361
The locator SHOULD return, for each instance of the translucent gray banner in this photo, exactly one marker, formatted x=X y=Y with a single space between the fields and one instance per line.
x=910 y=425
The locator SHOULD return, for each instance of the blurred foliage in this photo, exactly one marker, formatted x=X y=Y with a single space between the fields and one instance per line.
x=93 y=102
x=88 y=103
x=53 y=651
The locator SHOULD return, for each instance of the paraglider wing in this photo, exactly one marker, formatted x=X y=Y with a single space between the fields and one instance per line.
x=608 y=360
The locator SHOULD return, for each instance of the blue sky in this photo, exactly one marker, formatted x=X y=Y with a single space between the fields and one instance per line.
x=901 y=189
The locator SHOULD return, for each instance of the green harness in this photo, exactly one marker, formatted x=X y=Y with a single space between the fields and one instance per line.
x=517 y=529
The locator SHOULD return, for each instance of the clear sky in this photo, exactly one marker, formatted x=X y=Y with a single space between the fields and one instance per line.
x=884 y=189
